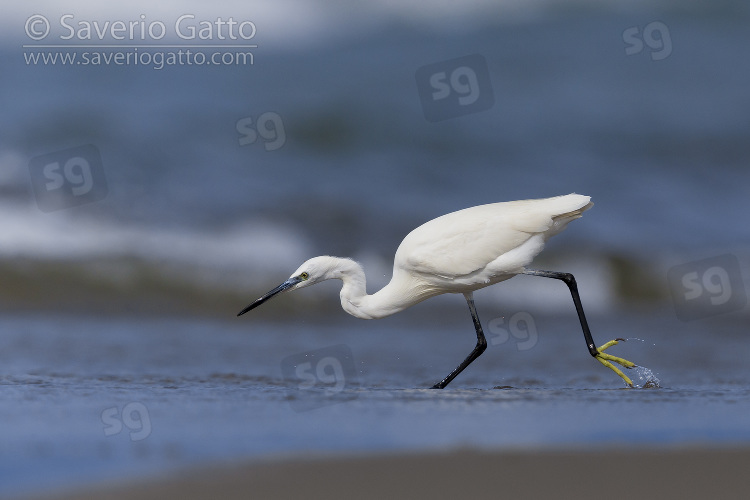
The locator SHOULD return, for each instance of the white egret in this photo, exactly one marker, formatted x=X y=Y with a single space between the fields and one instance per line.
x=459 y=252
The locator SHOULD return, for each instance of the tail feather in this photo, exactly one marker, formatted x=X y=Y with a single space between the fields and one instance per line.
x=562 y=220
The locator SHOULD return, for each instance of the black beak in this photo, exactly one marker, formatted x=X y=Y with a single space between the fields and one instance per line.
x=281 y=288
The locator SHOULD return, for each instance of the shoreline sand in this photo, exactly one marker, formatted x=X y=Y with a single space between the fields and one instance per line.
x=640 y=473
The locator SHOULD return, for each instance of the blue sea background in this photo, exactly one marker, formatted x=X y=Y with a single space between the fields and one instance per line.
x=131 y=299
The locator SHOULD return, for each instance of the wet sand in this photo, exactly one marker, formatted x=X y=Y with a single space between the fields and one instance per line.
x=684 y=473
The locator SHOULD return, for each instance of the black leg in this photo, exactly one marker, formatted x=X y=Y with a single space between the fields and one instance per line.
x=571 y=282
x=478 y=349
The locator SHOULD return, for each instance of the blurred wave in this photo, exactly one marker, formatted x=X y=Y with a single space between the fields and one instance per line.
x=661 y=146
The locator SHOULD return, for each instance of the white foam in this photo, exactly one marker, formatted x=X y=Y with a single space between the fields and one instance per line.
x=253 y=244
x=290 y=22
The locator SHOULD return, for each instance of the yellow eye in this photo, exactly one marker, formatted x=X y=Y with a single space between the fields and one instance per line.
x=304 y=276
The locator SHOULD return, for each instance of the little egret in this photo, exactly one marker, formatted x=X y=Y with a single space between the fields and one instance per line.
x=459 y=252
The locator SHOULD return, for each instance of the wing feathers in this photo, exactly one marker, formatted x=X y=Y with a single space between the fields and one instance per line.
x=464 y=242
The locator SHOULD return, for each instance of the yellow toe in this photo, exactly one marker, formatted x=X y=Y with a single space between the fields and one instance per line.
x=607 y=359
x=616 y=370
x=619 y=361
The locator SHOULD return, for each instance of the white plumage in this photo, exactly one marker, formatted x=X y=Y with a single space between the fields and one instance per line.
x=459 y=252
x=485 y=244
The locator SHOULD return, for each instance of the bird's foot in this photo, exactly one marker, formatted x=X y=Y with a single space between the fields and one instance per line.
x=608 y=359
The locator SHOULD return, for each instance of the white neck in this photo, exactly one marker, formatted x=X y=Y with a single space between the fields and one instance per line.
x=400 y=293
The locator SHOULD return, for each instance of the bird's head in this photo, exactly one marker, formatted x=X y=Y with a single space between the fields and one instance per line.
x=312 y=271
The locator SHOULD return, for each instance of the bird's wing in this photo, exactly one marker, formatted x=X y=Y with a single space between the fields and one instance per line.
x=464 y=242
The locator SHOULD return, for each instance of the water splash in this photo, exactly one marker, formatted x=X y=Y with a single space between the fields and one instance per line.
x=636 y=338
x=644 y=378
